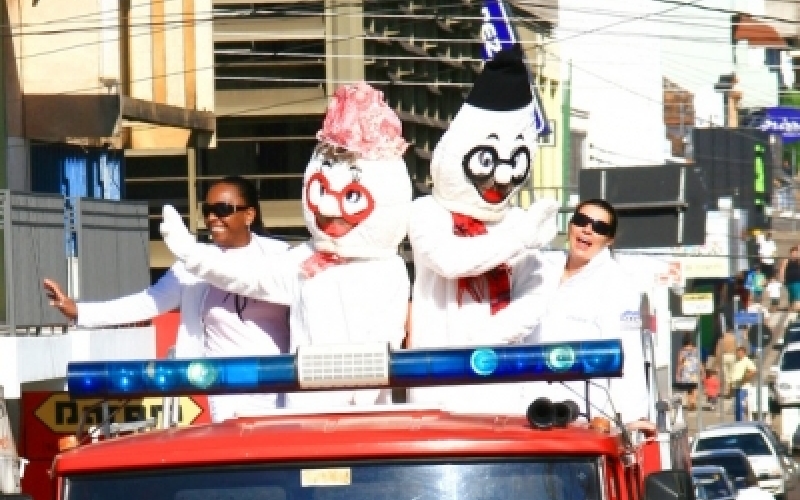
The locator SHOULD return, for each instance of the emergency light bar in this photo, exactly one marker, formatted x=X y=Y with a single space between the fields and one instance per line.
x=327 y=367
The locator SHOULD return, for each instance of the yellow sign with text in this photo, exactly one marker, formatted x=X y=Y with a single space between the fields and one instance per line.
x=62 y=414
x=694 y=304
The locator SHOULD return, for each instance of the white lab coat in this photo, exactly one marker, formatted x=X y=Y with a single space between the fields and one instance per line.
x=592 y=305
x=437 y=319
x=179 y=289
x=363 y=300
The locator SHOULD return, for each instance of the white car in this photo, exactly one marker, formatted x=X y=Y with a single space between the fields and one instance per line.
x=764 y=453
x=787 y=376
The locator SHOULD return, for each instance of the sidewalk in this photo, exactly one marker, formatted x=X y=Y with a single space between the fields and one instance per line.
x=723 y=413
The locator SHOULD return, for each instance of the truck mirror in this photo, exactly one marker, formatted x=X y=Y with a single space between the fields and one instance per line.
x=669 y=485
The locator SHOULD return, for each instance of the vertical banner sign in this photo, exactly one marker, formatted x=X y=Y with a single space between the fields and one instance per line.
x=497 y=33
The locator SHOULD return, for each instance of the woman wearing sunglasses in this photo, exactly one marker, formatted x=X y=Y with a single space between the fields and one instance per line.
x=214 y=323
x=589 y=297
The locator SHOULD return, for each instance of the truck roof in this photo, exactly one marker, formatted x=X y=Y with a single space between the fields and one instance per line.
x=395 y=433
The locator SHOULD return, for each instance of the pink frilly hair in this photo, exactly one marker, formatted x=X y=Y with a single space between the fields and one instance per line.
x=359 y=121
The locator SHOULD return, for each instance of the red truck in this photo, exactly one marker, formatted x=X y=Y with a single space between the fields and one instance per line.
x=389 y=452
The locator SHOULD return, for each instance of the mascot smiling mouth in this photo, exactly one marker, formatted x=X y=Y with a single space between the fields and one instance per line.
x=494 y=193
x=335 y=227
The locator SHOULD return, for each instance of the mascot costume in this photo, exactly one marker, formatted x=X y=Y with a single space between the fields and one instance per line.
x=475 y=257
x=348 y=284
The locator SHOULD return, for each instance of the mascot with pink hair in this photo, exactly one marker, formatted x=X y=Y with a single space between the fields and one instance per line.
x=347 y=285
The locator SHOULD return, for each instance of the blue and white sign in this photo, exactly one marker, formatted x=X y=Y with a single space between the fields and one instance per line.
x=497 y=33
x=784 y=121
x=743 y=318
x=496 y=30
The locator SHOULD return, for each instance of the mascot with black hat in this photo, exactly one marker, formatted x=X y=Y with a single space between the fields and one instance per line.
x=475 y=254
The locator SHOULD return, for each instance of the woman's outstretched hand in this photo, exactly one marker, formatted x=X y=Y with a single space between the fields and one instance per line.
x=59 y=299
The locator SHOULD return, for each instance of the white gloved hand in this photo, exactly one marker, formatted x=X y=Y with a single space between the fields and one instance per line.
x=175 y=234
x=540 y=223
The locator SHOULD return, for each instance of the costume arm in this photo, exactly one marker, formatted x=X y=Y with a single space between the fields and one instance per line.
x=271 y=279
x=516 y=322
x=163 y=296
x=451 y=256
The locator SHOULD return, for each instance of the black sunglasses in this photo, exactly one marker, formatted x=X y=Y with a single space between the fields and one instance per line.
x=600 y=227
x=221 y=209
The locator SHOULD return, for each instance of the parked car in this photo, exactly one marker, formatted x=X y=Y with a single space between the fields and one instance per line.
x=787 y=376
x=713 y=483
x=790 y=335
x=733 y=461
x=766 y=455
x=795 y=445
x=766 y=430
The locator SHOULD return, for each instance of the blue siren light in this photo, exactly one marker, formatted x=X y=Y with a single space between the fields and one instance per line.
x=338 y=367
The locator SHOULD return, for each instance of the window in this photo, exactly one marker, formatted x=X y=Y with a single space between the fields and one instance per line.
x=550 y=479
x=750 y=444
x=790 y=361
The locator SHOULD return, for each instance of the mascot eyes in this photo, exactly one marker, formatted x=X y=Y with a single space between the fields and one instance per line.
x=354 y=201
x=520 y=163
x=481 y=163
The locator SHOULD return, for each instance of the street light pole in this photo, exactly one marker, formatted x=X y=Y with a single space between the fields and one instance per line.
x=699 y=390
x=760 y=364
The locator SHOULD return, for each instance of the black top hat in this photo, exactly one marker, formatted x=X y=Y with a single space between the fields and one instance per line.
x=503 y=85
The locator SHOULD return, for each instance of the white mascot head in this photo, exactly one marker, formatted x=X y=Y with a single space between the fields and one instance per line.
x=356 y=188
x=485 y=155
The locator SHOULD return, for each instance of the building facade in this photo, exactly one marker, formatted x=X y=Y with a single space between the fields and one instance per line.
x=278 y=62
x=91 y=83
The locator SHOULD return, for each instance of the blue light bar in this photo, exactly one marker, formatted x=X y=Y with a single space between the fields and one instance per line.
x=565 y=361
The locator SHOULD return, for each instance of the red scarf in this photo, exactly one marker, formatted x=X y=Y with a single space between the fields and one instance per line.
x=498 y=280
x=319 y=261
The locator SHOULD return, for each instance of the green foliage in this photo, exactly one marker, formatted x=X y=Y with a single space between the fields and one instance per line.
x=790 y=98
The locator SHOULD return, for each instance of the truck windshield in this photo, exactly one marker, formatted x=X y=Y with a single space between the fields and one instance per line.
x=553 y=479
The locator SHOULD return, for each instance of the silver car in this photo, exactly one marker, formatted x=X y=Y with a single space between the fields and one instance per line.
x=776 y=472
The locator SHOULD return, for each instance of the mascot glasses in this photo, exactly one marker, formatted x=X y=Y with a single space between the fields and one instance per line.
x=481 y=162
x=354 y=200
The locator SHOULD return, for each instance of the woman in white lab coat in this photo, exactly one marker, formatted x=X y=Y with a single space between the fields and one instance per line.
x=213 y=322
x=589 y=297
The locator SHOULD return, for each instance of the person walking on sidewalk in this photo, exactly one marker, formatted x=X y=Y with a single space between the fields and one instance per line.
x=767 y=248
x=689 y=371
x=789 y=274
x=725 y=357
x=743 y=371
x=711 y=386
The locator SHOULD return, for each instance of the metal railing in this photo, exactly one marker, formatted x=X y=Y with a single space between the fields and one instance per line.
x=97 y=247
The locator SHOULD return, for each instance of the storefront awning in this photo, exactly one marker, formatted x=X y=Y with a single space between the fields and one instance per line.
x=64 y=116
